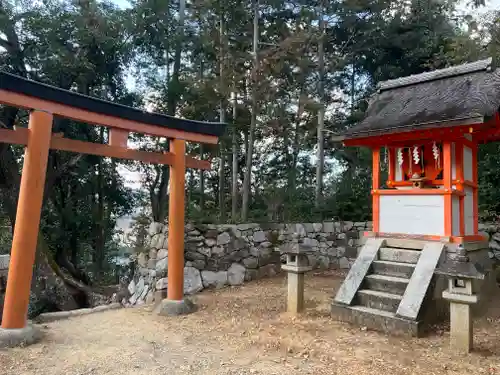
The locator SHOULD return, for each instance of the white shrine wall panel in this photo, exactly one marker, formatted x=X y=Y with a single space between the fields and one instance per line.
x=412 y=214
x=468 y=164
x=469 y=210
x=455 y=215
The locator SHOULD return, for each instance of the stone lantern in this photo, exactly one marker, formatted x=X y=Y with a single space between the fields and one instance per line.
x=461 y=273
x=297 y=264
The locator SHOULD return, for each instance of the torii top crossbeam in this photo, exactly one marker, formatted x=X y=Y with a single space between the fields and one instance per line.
x=430 y=125
x=45 y=102
x=23 y=93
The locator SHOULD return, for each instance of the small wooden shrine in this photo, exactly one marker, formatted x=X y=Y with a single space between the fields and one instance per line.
x=429 y=127
x=424 y=130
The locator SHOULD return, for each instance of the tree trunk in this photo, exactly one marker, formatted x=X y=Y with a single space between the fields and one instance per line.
x=162 y=193
x=64 y=207
x=99 y=235
x=158 y=190
x=159 y=198
x=222 y=118
x=202 y=172
x=253 y=122
x=10 y=177
x=234 y=170
x=190 y=187
x=295 y=142
x=353 y=86
x=295 y=157
x=287 y=156
x=173 y=92
x=222 y=205
x=202 y=182
x=320 y=157
x=73 y=242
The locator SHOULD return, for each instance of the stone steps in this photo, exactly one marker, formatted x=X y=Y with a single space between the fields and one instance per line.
x=375 y=319
x=389 y=284
x=392 y=254
x=379 y=295
x=378 y=300
x=397 y=269
x=407 y=244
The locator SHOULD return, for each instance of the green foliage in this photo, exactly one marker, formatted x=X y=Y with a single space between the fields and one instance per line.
x=152 y=55
x=80 y=46
x=366 y=41
x=489 y=179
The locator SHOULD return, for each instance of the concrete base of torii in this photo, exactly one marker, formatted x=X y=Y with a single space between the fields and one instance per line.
x=28 y=335
x=168 y=307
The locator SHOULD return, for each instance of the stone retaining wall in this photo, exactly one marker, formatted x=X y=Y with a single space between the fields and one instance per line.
x=493 y=233
x=219 y=255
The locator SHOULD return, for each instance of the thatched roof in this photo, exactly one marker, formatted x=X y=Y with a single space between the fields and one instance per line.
x=458 y=95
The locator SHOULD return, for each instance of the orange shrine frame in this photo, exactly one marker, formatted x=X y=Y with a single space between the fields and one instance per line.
x=456 y=182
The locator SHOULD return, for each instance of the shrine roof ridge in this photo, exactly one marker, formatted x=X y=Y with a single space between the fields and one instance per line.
x=476 y=66
x=39 y=90
x=459 y=95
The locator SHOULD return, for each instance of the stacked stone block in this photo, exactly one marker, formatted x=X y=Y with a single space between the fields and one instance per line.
x=220 y=255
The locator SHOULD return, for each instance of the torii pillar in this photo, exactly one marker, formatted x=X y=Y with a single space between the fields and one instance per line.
x=175 y=303
x=24 y=242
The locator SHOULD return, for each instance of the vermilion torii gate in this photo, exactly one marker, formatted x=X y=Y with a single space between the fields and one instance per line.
x=45 y=102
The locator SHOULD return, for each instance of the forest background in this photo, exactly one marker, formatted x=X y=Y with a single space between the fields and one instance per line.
x=286 y=75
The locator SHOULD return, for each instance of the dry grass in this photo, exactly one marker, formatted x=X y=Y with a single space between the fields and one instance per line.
x=244 y=331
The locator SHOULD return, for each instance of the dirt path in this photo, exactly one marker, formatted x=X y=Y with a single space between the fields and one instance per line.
x=244 y=331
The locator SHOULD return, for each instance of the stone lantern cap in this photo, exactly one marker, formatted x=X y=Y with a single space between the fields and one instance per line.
x=460 y=266
x=296 y=256
x=296 y=248
x=467 y=270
